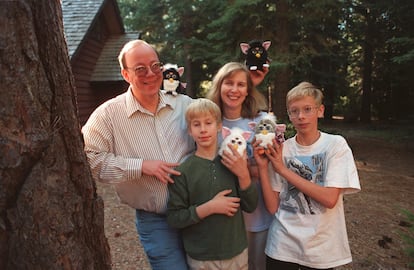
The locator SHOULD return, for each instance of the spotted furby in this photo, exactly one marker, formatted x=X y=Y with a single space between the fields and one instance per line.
x=236 y=137
x=267 y=129
x=256 y=54
x=171 y=82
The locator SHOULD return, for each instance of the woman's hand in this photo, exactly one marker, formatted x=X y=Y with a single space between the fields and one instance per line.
x=258 y=76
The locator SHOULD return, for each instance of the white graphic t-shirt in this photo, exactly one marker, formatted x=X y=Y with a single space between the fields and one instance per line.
x=304 y=231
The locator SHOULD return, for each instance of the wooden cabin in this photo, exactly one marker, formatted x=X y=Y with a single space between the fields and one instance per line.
x=95 y=34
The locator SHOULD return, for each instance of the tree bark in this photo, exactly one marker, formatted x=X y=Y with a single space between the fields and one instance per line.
x=50 y=214
x=367 y=69
x=282 y=78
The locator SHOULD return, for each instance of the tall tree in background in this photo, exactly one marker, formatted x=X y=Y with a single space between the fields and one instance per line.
x=50 y=214
x=380 y=34
x=281 y=84
x=179 y=30
x=368 y=58
x=316 y=50
x=394 y=94
x=216 y=38
x=262 y=20
x=366 y=14
x=358 y=51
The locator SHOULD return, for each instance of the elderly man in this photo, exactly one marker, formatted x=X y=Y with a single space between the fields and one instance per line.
x=134 y=141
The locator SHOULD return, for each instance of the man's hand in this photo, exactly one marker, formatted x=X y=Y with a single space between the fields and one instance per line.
x=160 y=169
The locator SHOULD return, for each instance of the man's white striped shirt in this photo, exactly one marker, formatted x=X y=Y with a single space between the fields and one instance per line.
x=120 y=134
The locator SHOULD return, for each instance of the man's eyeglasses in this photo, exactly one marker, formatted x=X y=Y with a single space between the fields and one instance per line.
x=294 y=113
x=141 y=71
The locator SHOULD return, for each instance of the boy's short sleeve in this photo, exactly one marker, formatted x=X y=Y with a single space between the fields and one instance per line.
x=342 y=171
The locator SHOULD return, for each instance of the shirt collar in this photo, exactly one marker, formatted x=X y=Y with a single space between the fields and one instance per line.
x=132 y=105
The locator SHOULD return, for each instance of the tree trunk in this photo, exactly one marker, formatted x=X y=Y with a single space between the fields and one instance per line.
x=50 y=214
x=190 y=91
x=367 y=70
x=281 y=85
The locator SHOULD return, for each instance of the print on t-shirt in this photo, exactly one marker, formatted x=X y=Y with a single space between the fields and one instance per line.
x=312 y=169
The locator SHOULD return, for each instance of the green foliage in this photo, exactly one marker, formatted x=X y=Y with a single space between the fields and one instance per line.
x=321 y=41
x=408 y=54
x=290 y=131
x=408 y=237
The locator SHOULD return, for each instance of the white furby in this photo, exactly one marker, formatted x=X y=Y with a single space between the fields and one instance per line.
x=236 y=137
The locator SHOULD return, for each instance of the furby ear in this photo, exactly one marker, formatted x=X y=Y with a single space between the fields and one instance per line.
x=266 y=44
x=244 y=47
x=252 y=125
x=225 y=131
x=180 y=70
x=246 y=134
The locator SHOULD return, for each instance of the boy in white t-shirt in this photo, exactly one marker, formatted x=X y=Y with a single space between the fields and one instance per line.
x=313 y=172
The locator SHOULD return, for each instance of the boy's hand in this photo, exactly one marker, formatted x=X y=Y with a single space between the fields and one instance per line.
x=258 y=153
x=222 y=204
x=274 y=154
x=236 y=163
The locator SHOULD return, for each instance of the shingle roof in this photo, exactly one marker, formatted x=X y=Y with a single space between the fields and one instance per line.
x=78 y=16
x=107 y=67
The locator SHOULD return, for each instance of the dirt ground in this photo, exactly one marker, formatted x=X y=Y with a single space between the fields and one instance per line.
x=374 y=218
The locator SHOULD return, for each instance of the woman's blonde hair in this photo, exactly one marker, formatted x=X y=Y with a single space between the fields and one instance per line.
x=200 y=107
x=254 y=101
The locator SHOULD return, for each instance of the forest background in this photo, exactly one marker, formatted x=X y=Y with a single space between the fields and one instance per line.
x=361 y=53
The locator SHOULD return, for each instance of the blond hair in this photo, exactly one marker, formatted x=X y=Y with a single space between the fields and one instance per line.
x=200 y=107
x=304 y=89
x=254 y=101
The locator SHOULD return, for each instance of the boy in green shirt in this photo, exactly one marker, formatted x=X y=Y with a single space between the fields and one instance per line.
x=207 y=198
